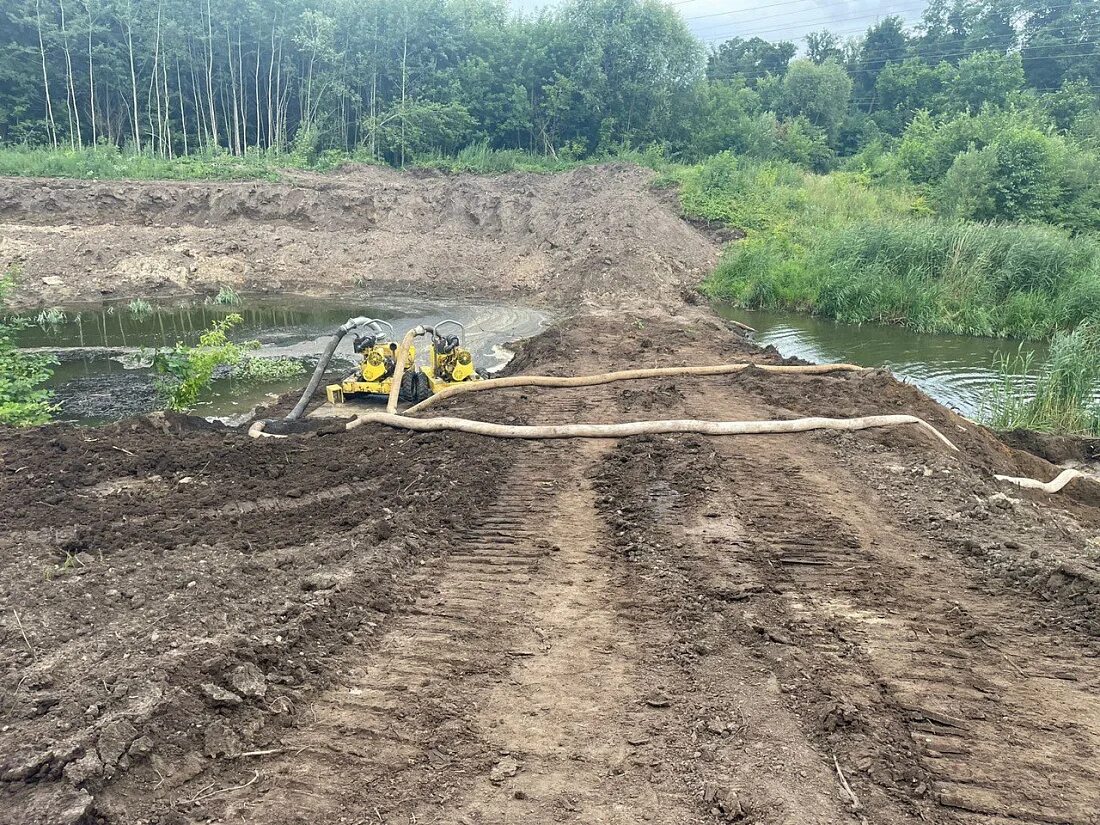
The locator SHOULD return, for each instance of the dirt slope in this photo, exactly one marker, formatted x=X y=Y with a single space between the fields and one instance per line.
x=375 y=627
x=593 y=233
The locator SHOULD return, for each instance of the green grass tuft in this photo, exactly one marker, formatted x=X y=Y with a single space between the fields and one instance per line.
x=1064 y=398
x=227 y=296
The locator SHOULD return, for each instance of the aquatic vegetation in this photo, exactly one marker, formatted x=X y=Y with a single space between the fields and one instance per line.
x=1064 y=398
x=184 y=372
x=49 y=318
x=140 y=308
x=227 y=296
x=23 y=400
x=268 y=369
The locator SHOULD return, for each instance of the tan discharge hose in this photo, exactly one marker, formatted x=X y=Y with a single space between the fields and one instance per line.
x=1053 y=486
x=399 y=367
x=609 y=377
x=624 y=430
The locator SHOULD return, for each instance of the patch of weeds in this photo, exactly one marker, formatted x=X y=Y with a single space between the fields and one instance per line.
x=227 y=296
x=140 y=308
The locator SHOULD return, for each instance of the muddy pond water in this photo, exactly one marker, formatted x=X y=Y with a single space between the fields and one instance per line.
x=104 y=351
x=956 y=370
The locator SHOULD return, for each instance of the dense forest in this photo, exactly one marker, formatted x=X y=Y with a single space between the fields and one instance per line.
x=398 y=79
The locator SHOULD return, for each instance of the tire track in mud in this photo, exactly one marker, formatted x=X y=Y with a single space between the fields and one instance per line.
x=386 y=736
x=507 y=692
x=892 y=651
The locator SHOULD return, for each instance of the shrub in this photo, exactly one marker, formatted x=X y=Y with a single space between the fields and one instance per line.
x=185 y=372
x=23 y=400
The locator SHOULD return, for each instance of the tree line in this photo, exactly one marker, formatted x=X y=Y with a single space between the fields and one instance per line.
x=395 y=80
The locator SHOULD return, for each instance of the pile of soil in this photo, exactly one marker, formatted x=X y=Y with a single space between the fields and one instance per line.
x=595 y=233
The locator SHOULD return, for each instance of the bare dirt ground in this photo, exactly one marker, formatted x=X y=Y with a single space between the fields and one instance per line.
x=546 y=237
x=376 y=627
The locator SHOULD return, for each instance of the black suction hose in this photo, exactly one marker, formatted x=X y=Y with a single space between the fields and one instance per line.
x=319 y=372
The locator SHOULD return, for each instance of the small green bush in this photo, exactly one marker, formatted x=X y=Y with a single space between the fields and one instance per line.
x=23 y=400
x=227 y=296
x=140 y=308
x=185 y=372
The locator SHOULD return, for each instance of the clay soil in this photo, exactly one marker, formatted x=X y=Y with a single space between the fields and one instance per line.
x=360 y=627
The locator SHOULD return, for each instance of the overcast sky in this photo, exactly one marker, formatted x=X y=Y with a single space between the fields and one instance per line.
x=716 y=20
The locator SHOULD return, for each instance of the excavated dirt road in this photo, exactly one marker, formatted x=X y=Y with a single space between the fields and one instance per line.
x=359 y=627
x=376 y=627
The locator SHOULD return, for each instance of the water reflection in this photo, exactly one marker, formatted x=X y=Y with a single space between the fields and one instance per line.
x=956 y=370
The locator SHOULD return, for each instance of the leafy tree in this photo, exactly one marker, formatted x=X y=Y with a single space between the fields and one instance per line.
x=752 y=59
x=1023 y=174
x=822 y=46
x=1075 y=100
x=986 y=78
x=903 y=88
x=723 y=110
x=944 y=28
x=884 y=43
x=819 y=93
x=1060 y=42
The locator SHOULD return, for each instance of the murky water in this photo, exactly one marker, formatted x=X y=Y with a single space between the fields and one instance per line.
x=956 y=370
x=100 y=378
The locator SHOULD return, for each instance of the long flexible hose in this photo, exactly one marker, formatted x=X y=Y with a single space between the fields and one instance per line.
x=399 y=367
x=1053 y=486
x=682 y=425
x=390 y=417
x=322 y=366
x=622 y=375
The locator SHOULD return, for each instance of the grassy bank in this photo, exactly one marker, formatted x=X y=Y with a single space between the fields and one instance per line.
x=842 y=247
x=111 y=163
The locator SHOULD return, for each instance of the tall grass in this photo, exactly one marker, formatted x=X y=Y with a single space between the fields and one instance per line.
x=481 y=158
x=140 y=308
x=841 y=247
x=112 y=163
x=1064 y=398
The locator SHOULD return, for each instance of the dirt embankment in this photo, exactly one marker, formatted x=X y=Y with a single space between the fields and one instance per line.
x=591 y=234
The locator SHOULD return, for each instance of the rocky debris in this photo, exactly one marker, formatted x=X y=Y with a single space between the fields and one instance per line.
x=114 y=741
x=54 y=804
x=220 y=739
x=248 y=680
x=319 y=581
x=219 y=697
x=89 y=766
x=1003 y=502
x=840 y=714
x=504 y=769
x=724 y=802
x=142 y=746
